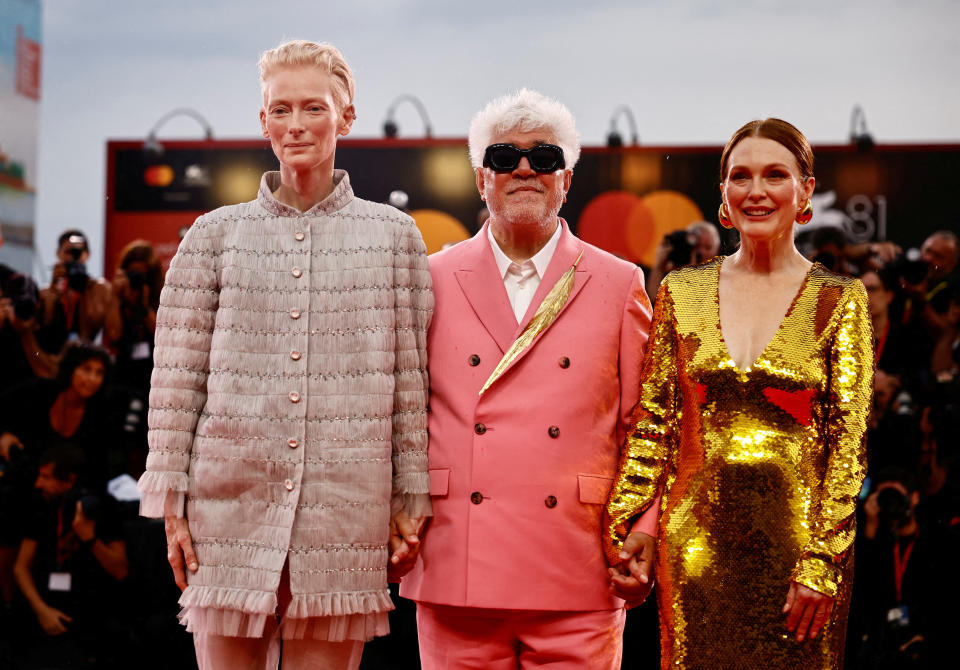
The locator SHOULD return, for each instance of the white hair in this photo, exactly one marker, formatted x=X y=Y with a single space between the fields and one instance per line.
x=705 y=227
x=524 y=111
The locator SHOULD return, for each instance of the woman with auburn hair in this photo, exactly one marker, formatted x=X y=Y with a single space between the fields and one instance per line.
x=288 y=400
x=749 y=431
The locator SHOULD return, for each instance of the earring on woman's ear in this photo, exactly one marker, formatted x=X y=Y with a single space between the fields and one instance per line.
x=804 y=215
x=724 y=216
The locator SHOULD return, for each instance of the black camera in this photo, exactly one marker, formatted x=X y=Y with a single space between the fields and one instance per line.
x=894 y=507
x=682 y=244
x=76 y=270
x=137 y=279
x=22 y=292
x=912 y=271
x=77 y=277
x=89 y=503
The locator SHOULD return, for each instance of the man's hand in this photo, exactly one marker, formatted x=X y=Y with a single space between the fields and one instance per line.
x=807 y=611
x=631 y=578
x=8 y=442
x=58 y=282
x=85 y=529
x=404 y=544
x=52 y=620
x=180 y=549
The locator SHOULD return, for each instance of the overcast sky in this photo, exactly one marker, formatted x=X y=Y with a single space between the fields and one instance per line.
x=692 y=71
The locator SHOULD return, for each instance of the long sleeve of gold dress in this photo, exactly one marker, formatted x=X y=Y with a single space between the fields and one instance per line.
x=760 y=470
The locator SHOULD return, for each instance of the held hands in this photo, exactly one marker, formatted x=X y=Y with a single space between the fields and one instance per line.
x=631 y=579
x=807 y=611
x=179 y=549
x=404 y=544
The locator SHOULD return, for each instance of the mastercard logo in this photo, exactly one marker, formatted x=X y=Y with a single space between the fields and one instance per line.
x=631 y=226
x=159 y=176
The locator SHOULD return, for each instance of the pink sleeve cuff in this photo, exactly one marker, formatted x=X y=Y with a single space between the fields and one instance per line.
x=647 y=522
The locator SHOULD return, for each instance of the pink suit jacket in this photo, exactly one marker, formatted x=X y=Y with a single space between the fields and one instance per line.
x=519 y=476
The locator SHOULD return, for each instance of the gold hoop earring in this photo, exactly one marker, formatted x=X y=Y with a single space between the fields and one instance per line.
x=724 y=216
x=805 y=214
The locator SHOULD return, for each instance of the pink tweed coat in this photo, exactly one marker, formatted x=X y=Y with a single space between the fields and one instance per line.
x=288 y=409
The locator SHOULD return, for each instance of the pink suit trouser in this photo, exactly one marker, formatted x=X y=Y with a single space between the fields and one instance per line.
x=467 y=638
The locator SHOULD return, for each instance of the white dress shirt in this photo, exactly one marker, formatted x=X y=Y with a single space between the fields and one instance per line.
x=523 y=279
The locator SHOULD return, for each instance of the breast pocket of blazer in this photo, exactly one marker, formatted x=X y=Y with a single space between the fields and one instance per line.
x=439 y=482
x=594 y=489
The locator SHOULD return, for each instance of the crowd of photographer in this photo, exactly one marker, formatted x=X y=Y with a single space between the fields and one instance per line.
x=909 y=518
x=82 y=576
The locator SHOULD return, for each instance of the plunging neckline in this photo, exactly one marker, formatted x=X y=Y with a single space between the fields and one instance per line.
x=786 y=315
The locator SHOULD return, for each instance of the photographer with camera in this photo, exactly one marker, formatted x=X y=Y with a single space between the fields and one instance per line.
x=698 y=243
x=70 y=564
x=906 y=582
x=136 y=284
x=928 y=295
x=20 y=352
x=76 y=305
x=900 y=348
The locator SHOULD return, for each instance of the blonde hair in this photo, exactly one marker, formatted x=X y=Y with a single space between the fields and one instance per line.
x=317 y=54
x=524 y=111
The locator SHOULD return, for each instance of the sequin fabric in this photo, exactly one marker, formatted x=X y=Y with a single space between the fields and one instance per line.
x=760 y=470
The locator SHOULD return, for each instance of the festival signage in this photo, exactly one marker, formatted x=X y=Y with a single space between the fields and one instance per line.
x=20 y=58
x=623 y=200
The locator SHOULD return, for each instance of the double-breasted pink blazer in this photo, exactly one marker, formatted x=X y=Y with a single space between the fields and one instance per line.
x=519 y=476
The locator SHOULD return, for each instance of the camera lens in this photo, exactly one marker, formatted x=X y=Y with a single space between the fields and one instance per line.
x=137 y=279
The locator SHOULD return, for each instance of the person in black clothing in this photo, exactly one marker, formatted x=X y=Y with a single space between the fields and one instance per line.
x=69 y=566
x=20 y=352
x=907 y=585
x=926 y=299
x=73 y=407
x=44 y=412
x=901 y=349
x=136 y=283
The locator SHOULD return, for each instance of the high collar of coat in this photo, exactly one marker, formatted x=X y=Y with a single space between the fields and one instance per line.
x=338 y=198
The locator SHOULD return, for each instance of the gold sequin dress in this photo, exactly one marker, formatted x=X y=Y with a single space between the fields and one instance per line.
x=760 y=470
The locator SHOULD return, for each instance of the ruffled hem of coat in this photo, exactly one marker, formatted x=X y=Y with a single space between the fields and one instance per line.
x=331 y=616
x=362 y=627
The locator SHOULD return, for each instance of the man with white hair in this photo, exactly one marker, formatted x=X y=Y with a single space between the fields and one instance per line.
x=535 y=351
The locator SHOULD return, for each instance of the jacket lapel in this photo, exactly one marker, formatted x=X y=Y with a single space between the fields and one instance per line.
x=483 y=288
x=568 y=248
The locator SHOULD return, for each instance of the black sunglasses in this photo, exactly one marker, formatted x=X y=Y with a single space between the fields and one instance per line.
x=506 y=157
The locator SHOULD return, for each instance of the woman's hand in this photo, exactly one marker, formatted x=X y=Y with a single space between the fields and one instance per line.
x=807 y=611
x=179 y=549
x=404 y=544
x=631 y=578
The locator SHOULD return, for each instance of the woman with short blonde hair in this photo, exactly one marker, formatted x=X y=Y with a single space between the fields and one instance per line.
x=288 y=405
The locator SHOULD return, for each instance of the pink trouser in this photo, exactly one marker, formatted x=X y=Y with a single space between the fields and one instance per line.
x=462 y=638
x=220 y=652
